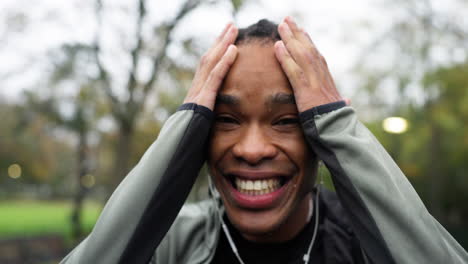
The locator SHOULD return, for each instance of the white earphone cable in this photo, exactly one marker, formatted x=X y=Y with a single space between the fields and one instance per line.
x=233 y=245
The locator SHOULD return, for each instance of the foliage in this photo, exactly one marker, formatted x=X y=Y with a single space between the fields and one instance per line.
x=432 y=153
x=42 y=157
x=425 y=72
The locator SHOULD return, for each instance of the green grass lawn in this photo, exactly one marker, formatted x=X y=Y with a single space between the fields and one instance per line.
x=20 y=218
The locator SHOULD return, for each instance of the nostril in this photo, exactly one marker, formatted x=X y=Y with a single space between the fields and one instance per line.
x=254 y=145
x=251 y=160
x=254 y=153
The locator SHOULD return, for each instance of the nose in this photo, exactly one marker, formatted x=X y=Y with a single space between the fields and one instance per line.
x=254 y=146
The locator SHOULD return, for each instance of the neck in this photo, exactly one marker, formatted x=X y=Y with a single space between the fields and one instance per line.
x=291 y=227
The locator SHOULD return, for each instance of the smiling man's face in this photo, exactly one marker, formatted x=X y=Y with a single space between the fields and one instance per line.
x=258 y=156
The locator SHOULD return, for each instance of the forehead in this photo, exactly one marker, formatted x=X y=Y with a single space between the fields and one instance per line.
x=255 y=73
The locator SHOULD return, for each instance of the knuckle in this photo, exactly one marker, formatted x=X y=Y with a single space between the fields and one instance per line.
x=301 y=77
x=316 y=58
x=322 y=59
x=310 y=57
x=304 y=53
x=320 y=56
x=315 y=53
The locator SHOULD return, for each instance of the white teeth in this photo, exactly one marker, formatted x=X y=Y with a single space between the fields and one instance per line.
x=257 y=187
x=264 y=184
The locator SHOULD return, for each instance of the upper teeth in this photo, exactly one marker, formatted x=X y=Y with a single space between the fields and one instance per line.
x=257 y=185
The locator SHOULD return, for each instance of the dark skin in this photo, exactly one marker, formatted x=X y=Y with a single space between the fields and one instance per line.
x=256 y=131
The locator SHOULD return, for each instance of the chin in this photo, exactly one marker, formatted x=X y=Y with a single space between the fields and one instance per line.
x=276 y=213
x=275 y=225
x=255 y=223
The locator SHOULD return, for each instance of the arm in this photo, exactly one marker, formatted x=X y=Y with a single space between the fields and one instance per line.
x=143 y=207
x=387 y=215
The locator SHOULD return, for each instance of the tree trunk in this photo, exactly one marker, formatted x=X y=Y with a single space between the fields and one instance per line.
x=82 y=170
x=123 y=150
x=435 y=173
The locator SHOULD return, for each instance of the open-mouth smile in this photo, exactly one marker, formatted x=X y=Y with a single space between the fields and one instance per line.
x=256 y=186
x=257 y=190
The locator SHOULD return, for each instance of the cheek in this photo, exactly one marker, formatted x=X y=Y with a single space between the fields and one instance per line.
x=298 y=152
x=296 y=149
x=217 y=147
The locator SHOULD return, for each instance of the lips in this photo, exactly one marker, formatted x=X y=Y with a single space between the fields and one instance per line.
x=256 y=190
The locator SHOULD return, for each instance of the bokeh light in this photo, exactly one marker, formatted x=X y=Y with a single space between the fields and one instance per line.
x=14 y=171
x=88 y=180
x=395 y=125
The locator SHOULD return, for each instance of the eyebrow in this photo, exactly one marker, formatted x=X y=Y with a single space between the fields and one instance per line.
x=281 y=98
x=227 y=99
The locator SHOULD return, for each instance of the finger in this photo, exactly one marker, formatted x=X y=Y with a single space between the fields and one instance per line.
x=293 y=71
x=299 y=32
x=299 y=52
x=285 y=32
x=220 y=37
x=220 y=49
x=216 y=77
x=287 y=37
x=226 y=28
x=212 y=57
x=293 y=26
x=306 y=38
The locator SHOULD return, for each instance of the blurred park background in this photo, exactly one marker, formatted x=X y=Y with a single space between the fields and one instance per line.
x=85 y=86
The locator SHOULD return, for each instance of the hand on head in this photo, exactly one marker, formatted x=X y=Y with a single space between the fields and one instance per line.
x=305 y=67
x=303 y=64
x=213 y=68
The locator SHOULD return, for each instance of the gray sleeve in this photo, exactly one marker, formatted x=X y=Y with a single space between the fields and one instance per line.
x=389 y=218
x=144 y=205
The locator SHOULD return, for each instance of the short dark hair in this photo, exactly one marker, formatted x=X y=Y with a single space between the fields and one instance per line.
x=264 y=31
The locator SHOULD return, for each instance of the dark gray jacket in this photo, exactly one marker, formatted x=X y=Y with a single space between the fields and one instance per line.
x=144 y=213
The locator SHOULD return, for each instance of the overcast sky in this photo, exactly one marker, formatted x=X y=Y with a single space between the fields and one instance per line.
x=341 y=29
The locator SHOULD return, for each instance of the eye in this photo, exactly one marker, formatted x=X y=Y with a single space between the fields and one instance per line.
x=287 y=121
x=223 y=119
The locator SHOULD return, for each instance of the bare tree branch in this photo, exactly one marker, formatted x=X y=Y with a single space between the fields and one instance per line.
x=187 y=7
x=103 y=76
x=132 y=82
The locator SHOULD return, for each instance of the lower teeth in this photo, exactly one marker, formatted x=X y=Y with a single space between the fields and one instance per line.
x=256 y=192
x=252 y=188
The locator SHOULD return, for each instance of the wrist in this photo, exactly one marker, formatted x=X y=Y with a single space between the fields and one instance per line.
x=315 y=96
x=205 y=99
x=320 y=110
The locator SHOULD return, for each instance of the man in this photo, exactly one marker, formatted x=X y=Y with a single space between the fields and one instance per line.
x=263 y=109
